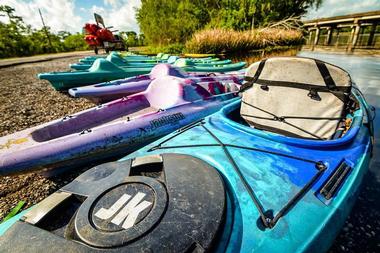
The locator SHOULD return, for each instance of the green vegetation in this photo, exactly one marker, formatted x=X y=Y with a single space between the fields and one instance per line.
x=166 y=22
x=132 y=40
x=173 y=26
x=227 y=40
x=175 y=48
x=19 y=39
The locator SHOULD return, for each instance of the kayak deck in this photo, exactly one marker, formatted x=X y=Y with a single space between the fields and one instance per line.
x=275 y=179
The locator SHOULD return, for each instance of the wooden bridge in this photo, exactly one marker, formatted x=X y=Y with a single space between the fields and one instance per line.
x=360 y=31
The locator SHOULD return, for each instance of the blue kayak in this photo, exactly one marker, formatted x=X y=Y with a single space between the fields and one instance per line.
x=217 y=184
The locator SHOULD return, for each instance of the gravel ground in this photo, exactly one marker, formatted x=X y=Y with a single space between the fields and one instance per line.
x=26 y=101
x=361 y=231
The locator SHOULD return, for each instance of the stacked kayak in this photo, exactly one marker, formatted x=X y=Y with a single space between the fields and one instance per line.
x=121 y=62
x=163 y=58
x=198 y=55
x=102 y=70
x=190 y=66
x=221 y=184
x=128 y=59
x=104 y=92
x=134 y=58
x=114 y=128
x=115 y=59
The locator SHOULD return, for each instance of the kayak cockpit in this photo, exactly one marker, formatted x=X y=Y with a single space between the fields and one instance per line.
x=347 y=130
x=178 y=91
x=320 y=107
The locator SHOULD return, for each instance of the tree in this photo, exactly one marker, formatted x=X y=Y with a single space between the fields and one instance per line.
x=173 y=21
x=19 y=39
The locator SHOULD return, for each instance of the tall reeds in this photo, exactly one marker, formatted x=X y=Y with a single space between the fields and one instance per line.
x=226 y=41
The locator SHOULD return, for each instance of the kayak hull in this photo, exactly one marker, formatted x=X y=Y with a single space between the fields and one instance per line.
x=107 y=130
x=199 y=55
x=313 y=222
x=211 y=68
x=105 y=92
x=66 y=80
x=309 y=226
x=82 y=66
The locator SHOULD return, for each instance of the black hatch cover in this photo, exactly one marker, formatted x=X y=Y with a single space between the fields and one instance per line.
x=166 y=203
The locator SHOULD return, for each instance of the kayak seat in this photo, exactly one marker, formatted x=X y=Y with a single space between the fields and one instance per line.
x=214 y=88
x=102 y=65
x=182 y=62
x=168 y=91
x=165 y=57
x=164 y=69
x=116 y=59
x=172 y=59
x=296 y=97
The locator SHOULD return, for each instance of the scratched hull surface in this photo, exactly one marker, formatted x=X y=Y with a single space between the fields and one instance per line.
x=118 y=127
x=275 y=168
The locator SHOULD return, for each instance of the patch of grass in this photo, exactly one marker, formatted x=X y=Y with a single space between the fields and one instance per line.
x=227 y=41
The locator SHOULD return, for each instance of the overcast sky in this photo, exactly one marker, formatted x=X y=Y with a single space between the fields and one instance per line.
x=70 y=15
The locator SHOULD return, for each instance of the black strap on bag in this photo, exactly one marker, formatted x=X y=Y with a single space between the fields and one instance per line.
x=252 y=80
x=330 y=83
x=326 y=75
x=339 y=92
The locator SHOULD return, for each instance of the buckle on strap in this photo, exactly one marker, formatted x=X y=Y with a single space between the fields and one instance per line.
x=313 y=94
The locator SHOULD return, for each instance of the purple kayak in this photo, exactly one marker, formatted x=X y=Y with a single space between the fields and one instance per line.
x=115 y=128
x=105 y=92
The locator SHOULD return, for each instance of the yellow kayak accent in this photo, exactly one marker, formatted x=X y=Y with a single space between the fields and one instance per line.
x=198 y=55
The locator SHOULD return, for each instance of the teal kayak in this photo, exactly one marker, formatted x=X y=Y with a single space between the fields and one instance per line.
x=121 y=62
x=217 y=184
x=190 y=66
x=117 y=60
x=129 y=59
x=101 y=71
x=212 y=63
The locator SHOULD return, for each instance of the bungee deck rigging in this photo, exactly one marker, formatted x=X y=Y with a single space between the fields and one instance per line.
x=267 y=217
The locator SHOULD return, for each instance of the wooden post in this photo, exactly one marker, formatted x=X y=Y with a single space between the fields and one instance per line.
x=372 y=34
x=310 y=33
x=316 y=38
x=354 y=36
x=328 y=37
x=337 y=38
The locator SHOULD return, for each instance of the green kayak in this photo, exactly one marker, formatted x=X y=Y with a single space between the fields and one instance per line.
x=101 y=71
x=117 y=60
x=212 y=63
x=190 y=66
x=128 y=58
